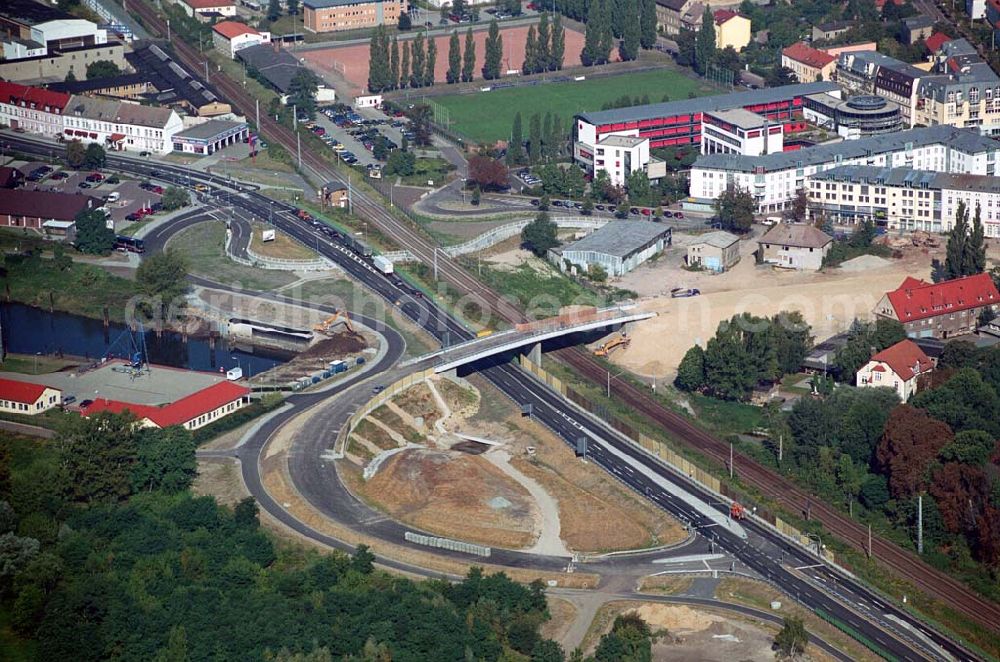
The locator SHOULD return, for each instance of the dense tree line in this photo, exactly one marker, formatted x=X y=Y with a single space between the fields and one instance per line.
x=966 y=249
x=105 y=554
x=545 y=48
x=545 y=141
x=493 y=58
x=629 y=25
x=393 y=65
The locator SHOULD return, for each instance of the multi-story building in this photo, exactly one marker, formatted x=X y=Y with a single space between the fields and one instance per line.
x=939 y=310
x=231 y=36
x=774 y=179
x=962 y=91
x=915 y=28
x=732 y=29
x=337 y=15
x=808 y=63
x=32 y=109
x=896 y=367
x=620 y=156
x=739 y=131
x=870 y=72
x=121 y=125
x=794 y=246
x=206 y=9
x=669 y=13
x=903 y=199
x=857 y=117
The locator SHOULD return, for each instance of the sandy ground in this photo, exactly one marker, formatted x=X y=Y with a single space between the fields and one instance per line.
x=706 y=636
x=829 y=301
x=351 y=62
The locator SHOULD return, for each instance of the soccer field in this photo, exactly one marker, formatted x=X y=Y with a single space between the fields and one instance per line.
x=488 y=116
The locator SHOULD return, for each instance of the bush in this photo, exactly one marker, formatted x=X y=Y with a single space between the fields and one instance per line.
x=238 y=418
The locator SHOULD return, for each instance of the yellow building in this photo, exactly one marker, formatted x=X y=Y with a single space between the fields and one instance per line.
x=731 y=29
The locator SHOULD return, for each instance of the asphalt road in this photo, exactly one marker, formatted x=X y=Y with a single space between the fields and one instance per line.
x=789 y=566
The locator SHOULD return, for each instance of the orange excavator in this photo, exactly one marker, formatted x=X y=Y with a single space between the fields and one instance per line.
x=616 y=342
x=340 y=317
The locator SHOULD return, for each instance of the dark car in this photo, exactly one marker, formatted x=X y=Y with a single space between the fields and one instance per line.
x=378 y=389
x=634 y=211
x=536 y=202
x=84 y=185
x=678 y=214
x=667 y=213
x=599 y=207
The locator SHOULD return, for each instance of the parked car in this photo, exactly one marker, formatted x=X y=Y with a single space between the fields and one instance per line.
x=667 y=213
x=678 y=214
x=84 y=185
x=646 y=211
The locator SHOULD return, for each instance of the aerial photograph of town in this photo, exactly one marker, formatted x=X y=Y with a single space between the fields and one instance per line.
x=499 y=330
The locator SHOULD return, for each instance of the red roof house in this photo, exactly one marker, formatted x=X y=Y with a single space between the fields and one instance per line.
x=26 y=398
x=233 y=29
x=936 y=41
x=896 y=367
x=939 y=310
x=36 y=98
x=194 y=411
x=723 y=15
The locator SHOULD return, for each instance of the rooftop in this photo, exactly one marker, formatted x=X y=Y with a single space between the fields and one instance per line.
x=17 y=95
x=717 y=239
x=968 y=141
x=172 y=80
x=807 y=55
x=619 y=238
x=926 y=179
x=835 y=26
x=723 y=15
x=278 y=66
x=799 y=235
x=43 y=204
x=29 y=12
x=905 y=359
x=233 y=29
x=718 y=102
x=18 y=391
x=208 y=130
x=179 y=412
x=917 y=22
x=916 y=300
x=936 y=41
x=325 y=4
x=207 y=4
x=622 y=141
x=94 y=84
x=744 y=119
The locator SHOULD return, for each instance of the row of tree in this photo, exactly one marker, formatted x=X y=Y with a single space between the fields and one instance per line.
x=393 y=66
x=966 y=251
x=545 y=141
x=631 y=24
x=461 y=66
x=544 y=50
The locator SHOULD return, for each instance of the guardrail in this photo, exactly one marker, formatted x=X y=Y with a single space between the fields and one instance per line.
x=448 y=543
x=285 y=264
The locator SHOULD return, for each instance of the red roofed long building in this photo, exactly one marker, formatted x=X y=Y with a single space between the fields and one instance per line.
x=939 y=310
x=896 y=367
x=194 y=411
x=26 y=398
x=33 y=109
x=808 y=63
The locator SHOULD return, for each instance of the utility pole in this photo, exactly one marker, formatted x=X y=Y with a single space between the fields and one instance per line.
x=435 y=263
x=730 y=459
x=257 y=102
x=869 y=541
x=920 y=524
x=206 y=71
x=350 y=195
x=168 y=29
x=298 y=144
x=781 y=439
x=295 y=117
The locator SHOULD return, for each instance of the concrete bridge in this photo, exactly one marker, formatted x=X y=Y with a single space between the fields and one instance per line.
x=531 y=335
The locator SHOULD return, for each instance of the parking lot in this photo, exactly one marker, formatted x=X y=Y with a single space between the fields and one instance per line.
x=353 y=135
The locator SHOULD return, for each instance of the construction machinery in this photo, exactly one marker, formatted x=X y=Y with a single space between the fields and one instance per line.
x=327 y=326
x=737 y=511
x=621 y=340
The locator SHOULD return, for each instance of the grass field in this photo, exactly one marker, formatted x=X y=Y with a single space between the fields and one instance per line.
x=488 y=116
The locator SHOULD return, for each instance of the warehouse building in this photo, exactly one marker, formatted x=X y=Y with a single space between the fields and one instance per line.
x=23 y=208
x=209 y=137
x=617 y=247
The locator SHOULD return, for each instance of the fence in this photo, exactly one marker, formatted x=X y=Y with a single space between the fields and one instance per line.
x=266 y=262
x=673 y=459
x=447 y=543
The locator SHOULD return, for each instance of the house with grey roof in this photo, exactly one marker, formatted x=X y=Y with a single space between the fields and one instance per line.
x=716 y=251
x=794 y=246
x=618 y=247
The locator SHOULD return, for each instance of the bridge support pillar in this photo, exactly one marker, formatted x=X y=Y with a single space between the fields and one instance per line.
x=450 y=374
x=534 y=353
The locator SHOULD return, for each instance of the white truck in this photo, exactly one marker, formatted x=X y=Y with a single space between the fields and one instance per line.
x=383 y=264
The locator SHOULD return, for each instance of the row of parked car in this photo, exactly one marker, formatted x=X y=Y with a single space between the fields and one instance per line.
x=634 y=211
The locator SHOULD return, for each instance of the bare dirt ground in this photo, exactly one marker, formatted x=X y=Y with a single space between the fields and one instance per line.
x=562 y=614
x=351 y=62
x=828 y=301
x=343 y=346
x=221 y=479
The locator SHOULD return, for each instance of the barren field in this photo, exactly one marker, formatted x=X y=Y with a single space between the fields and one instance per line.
x=828 y=301
x=351 y=62
x=282 y=246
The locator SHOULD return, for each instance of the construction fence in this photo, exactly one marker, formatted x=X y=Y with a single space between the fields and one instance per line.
x=448 y=543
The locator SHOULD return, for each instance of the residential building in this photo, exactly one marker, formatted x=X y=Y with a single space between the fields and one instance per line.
x=794 y=246
x=620 y=156
x=715 y=251
x=732 y=29
x=808 y=63
x=902 y=198
x=679 y=122
x=231 y=36
x=856 y=47
x=209 y=137
x=976 y=9
x=277 y=67
x=774 y=179
x=857 y=117
x=121 y=125
x=192 y=412
x=32 y=109
x=135 y=86
x=936 y=41
x=739 y=131
x=915 y=28
x=962 y=90
x=939 y=310
x=207 y=8
x=618 y=247
x=669 y=13
x=338 y=15
x=896 y=367
x=27 y=399
x=58 y=63
x=831 y=30
x=334 y=194
x=24 y=208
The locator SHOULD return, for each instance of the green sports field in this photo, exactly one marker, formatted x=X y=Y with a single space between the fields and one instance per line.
x=487 y=116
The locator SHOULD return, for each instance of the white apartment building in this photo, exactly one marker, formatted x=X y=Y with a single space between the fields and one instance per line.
x=774 y=179
x=904 y=199
x=121 y=125
x=739 y=131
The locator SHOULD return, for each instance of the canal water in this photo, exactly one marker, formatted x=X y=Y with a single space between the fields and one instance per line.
x=28 y=330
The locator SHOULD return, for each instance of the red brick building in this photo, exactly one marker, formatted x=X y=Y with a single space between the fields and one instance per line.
x=20 y=208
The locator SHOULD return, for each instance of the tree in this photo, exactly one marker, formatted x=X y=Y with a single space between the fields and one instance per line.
x=94 y=156
x=163 y=277
x=401 y=162
x=363 y=561
x=60 y=260
x=394 y=64
x=468 y=57
x=494 y=52
x=862 y=338
x=543 y=53
x=92 y=233
x=302 y=92
x=735 y=209
x=691 y=371
x=431 y=63
x=704 y=50
x=591 y=53
x=490 y=174
x=779 y=76
x=955 y=257
x=102 y=69
x=740 y=356
x=630 y=640
x=292 y=6
x=530 y=65
x=70 y=77
x=974 y=260
x=800 y=205
x=607 y=34
x=418 y=60
x=638 y=186
x=972 y=447
x=420 y=124
x=458 y=8
x=404 y=65
x=15 y=553
x=454 y=59
x=540 y=235
x=97 y=453
x=791 y=640
x=629 y=49
x=515 y=148
x=174 y=197
x=273 y=10
x=477 y=196
x=165 y=460
x=588 y=207
x=964 y=402
x=558 y=50
x=544 y=202
x=911 y=441
x=647 y=24
x=75 y=153
x=792 y=339
x=378 y=61
x=535 y=139
x=405 y=22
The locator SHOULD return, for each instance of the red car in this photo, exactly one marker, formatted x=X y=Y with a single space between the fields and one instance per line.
x=158 y=190
x=677 y=214
x=95 y=177
x=646 y=212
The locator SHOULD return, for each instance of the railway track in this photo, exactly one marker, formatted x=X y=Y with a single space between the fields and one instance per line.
x=905 y=564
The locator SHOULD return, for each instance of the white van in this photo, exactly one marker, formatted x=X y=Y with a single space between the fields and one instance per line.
x=772 y=220
x=114 y=196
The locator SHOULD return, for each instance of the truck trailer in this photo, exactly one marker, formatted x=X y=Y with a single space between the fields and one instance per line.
x=383 y=264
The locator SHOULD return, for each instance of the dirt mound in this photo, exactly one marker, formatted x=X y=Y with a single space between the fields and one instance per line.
x=454 y=495
x=342 y=343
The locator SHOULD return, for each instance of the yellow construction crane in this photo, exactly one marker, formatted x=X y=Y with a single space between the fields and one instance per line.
x=616 y=342
x=327 y=325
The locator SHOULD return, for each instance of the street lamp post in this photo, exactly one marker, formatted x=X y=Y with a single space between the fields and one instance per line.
x=618 y=374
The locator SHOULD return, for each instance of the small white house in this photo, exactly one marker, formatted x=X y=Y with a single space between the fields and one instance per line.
x=896 y=367
x=26 y=398
x=231 y=36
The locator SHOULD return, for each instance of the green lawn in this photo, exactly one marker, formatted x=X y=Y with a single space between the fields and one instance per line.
x=488 y=116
